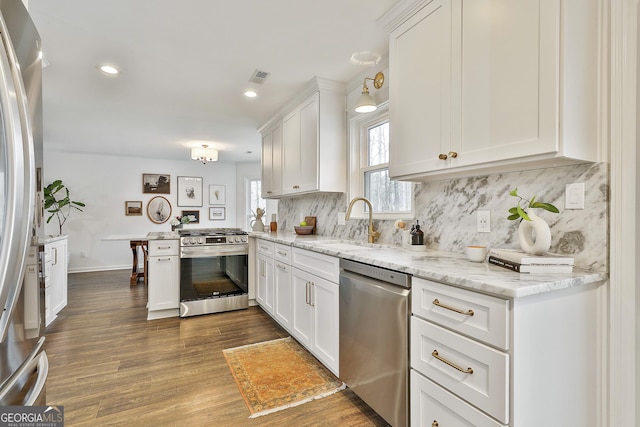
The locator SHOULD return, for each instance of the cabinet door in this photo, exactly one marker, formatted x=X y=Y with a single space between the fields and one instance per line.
x=164 y=282
x=58 y=276
x=308 y=178
x=507 y=74
x=282 y=288
x=264 y=296
x=302 y=316
x=325 y=300
x=291 y=153
x=267 y=165
x=272 y=161
x=420 y=91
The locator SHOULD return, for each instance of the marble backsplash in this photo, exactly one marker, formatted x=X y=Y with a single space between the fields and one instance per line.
x=447 y=212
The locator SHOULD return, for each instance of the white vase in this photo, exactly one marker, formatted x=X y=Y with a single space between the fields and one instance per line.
x=534 y=235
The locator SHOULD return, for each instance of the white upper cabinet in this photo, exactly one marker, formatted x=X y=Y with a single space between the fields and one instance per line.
x=312 y=156
x=492 y=85
x=272 y=161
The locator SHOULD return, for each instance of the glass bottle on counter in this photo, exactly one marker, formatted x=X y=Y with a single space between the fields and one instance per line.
x=417 y=235
x=273 y=226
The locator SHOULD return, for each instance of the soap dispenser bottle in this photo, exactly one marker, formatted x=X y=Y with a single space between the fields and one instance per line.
x=417 y=235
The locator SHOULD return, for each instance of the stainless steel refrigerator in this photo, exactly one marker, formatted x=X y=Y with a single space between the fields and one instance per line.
x=23 y=362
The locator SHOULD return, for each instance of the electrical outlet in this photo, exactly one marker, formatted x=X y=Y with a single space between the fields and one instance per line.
x=484 y=221
x=341 y=218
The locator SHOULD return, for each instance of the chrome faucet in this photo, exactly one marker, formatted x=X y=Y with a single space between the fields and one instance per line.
x=373 y=234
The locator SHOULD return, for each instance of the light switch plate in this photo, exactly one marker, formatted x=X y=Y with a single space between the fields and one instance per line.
x=574 y=196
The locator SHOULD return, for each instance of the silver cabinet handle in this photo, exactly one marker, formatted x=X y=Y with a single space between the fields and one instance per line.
x=164 y=247
x=55 y=256
x=164 y=259
x=282 y=253
x=281 y=267
x=311 y=302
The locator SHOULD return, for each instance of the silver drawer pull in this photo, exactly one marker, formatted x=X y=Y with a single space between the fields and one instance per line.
x=164 y=259
x=164 y=247
x=282 y=253
x=453 y=365
x=457 y=310
x=281 y=267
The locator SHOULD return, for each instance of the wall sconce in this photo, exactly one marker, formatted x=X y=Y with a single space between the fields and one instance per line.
x=204 y=154
x=365 y=103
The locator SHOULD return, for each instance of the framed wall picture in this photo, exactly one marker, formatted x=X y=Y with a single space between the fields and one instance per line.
x=189 y=191
x=159 y=210
x=156 y=183
x=132 y=208
x=191 y=215
x=217 y=195
x=216 y=213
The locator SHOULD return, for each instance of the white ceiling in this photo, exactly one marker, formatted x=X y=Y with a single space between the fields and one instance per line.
x=184 y=67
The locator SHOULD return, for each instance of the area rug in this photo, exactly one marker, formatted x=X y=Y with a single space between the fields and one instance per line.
x=279 y=374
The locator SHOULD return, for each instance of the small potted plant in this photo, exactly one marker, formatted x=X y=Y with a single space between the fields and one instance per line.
x=58 y=206
x=531 y=224
x=179 y=220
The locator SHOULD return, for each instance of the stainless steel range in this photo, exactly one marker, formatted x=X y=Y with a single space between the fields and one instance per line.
x=213 y=270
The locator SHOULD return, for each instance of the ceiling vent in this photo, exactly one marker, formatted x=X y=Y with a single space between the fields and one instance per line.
x=259 y=77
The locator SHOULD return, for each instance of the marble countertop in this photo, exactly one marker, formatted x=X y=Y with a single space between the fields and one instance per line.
x=446 y=267
x=152 y=235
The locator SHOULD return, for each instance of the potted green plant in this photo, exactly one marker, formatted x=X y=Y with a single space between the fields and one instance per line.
x=534 y=234
x=58 y=202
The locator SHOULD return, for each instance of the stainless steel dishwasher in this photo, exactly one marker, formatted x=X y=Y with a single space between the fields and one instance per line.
x=374 y=337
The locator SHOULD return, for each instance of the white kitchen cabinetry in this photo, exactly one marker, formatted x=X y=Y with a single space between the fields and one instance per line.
x=482 y=360
x=312 y=155
x=491 y=85
x=265 y=291
x=163 y=279
x=56 y=281
x=272 y=160
x=282 y=285
x=315 y=317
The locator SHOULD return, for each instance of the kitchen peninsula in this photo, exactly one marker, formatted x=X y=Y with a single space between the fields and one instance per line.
x=485 y=342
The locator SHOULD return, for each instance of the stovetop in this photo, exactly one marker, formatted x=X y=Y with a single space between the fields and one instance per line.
x=213 y=236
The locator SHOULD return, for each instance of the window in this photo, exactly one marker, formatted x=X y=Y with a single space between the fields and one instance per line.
x=370 y=168
x=255 y=199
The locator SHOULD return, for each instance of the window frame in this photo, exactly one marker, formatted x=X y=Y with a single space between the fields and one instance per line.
x=359 y=126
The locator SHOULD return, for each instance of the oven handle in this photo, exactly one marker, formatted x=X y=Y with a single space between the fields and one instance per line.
x=213 y=251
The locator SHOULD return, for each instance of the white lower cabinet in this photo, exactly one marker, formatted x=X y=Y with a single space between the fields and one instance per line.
x=56 y=277
x=479 y=360
x=265 y=291
x=315 y=316
x=282 y=305
x=299 y=289
x=163 y=279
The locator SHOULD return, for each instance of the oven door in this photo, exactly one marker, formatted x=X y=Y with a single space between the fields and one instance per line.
x=211 y=284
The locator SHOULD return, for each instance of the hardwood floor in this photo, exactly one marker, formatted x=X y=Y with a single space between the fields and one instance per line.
x=110 y=366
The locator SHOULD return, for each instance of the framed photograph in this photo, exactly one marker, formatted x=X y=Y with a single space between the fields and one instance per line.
x=132 y=207
x=216 y=213
x=195 y=214
x=189 y=191
x=217 y=195
x=156 y=183
x=159 y=210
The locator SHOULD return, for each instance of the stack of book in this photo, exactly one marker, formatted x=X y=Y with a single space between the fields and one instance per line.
x=522 y=262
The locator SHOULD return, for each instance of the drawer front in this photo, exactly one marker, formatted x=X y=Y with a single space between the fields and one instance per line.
x=449 y=306
x=265 y=247
x=282 y=253
x=431 y=405
x=325 y=266
x=163 y=247
x=480 y=375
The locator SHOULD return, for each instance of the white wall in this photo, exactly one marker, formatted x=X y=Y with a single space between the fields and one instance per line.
x=104 y=183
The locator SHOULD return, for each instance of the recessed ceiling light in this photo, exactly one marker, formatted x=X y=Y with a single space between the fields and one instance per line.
x=109 y=69
x=250 y=93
